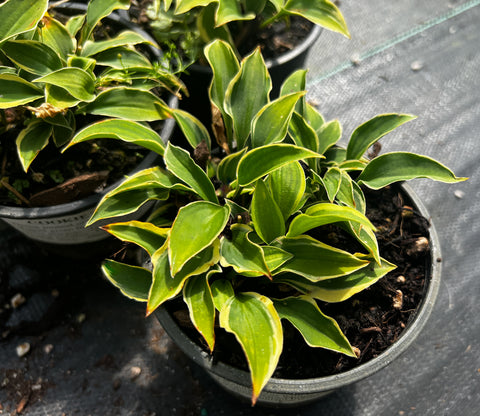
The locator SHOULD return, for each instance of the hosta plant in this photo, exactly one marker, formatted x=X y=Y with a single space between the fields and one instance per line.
x=191 y=24
x=236 y=233
x=52 y=71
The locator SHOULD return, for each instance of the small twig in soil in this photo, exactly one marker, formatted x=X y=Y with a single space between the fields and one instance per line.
x=15 y=192
x=370 y=329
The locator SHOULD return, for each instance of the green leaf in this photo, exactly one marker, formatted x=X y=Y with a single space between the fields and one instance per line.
x=366 y=237
x=275 y=257
x=179 y=162
x=302 y=133
x=222 y=290
x=296 y=82
x=227 y=168
x=315 y=260
x=332 y=181
x=123 y=203
x=317 y=329
x=230 y=11
x=122 y=58
x=197 y=225
x=345 y=192
x=225 y=66
x=16 y=91
x=193 y=130
x=328 y=135
x=126 y=38
x=20 y=16
x=263 y=160
x=165 y=286
x=31 y=140
x=341 y=288
x=134 y=282
x=59 y=97
x=325 y=213
x=270 y=124
x=126 y=130
x=371 y=131
x=313 y=117
x=77 y=82
x=266 y=215
x=241 y=254
x=320 y=12
x=144 y=234
x=117 y=102
x=402 y=166
x=96 y=11
x=198 y=297
x=287 y=186
x=246 y=94
x=32 y=56
x=56 y=35
x=183 y=6
x=262 y=343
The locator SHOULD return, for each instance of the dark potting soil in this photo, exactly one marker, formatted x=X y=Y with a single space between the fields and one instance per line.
x=55 y=178
x=373 y=319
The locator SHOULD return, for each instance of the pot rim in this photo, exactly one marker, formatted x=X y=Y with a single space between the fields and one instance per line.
x=91 y=200
x=283 y=58
x=335 y=381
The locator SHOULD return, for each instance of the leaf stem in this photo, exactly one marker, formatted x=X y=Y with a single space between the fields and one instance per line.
x=14 y=191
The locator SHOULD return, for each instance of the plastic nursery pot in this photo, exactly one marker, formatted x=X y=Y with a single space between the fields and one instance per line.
x=294 y=392
x=61 y=228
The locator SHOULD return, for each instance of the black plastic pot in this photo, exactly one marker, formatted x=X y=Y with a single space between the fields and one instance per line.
x=61 y=228
x=286 y=392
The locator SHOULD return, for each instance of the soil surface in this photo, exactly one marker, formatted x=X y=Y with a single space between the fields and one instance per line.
x=373 y=319
x=55 y=178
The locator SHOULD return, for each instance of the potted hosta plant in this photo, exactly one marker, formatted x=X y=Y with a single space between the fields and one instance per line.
x=285 y=31
x=61 y=70
x=244 y=236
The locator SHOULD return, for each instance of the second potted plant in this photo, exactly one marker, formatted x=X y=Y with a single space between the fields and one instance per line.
x=62 y=70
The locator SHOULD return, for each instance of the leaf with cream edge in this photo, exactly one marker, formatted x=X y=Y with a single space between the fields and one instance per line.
x=79 y=83
x=287 y=185
x=179 y=162
x=325 y=213
x=16 y=91
x=222 y=290
x=20 y=16
x=165 y=286
x=193 y=130
x=199 y=299
x=317 y=329
x=133 y=281
x=340 y=288
x=296 y=82
x=56 y=35
x=246 y=94
x=241 y=254
x=117 y=102
x=320 y=12
x=372 y=130
x=266 y=215
x=263 y=160
x=125 y=38
x=144 y=234
x=126 y=130
x=270 y=124
x=401 y=166
x=31 y=140
x=185 y=240
x=315 y=260
x=262 y=343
